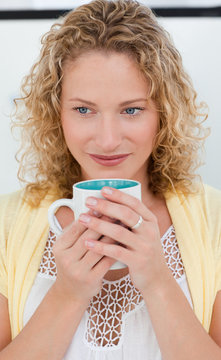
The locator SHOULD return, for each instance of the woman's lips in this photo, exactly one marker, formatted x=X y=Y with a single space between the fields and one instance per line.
x=109 y=160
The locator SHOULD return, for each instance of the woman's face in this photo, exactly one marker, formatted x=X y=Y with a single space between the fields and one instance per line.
x=108 y=125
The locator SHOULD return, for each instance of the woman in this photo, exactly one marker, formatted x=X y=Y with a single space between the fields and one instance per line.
x=109 y=98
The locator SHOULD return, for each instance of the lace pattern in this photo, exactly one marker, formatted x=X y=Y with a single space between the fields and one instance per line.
x=107 y=310
x=48 y=265
x=172 y=253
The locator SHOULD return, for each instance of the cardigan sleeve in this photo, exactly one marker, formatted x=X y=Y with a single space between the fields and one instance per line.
x=8 y=206
x=217 y=236
x=3 y=246
x=214 y=221
x=218 y=262
x=3 y=273
x=219 y=276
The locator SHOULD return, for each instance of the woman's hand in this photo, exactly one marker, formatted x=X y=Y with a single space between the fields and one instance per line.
x=79 y=270
x=140 y=248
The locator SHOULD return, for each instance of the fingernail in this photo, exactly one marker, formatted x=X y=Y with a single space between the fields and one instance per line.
x=89 y=244
x=91 y=201
x=84 y=218
x=97 y=214
x=107 y=190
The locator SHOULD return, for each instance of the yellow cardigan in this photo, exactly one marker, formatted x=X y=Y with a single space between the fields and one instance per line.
x=196 y=218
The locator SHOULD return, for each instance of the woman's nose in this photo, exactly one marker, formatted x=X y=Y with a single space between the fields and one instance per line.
x=108 y=135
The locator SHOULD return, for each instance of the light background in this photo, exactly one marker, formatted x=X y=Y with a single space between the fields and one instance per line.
x=65 y=4
x=198 y=40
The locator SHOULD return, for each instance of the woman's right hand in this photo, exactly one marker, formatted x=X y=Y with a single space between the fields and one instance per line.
x=79 y=270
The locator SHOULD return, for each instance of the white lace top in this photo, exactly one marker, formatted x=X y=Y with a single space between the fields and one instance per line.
x=116 y=325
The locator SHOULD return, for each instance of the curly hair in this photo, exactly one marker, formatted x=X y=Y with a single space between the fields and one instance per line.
x=123 y=26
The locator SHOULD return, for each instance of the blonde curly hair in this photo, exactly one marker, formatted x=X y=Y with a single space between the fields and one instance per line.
x=122 y=26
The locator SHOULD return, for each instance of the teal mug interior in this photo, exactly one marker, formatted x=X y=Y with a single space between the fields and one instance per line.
x=100 y=183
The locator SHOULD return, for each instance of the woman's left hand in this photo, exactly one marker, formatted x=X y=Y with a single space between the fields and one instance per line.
x=140 y=249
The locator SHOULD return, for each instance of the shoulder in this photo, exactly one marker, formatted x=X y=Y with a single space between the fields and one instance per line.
x=17 y=217
x=15 y=207
x=18 y=200
x=204 y=208
x=212 y=196
x=208 y=192
x=202 y=198
x=201 y=207
x=206 y=200
x=10 y=202
x=9 y=207
x=12 y=196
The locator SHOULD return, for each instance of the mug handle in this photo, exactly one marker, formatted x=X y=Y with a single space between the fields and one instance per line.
x=51 y=213
x=57 y=231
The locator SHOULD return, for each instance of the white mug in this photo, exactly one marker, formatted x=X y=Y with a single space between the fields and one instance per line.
x=82 y=190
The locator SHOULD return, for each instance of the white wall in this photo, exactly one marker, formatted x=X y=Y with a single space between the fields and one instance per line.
x=197 y=39
x=68 y=4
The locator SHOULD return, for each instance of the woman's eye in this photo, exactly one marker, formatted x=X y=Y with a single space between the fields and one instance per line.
x=133 y=110
x=129 y=111
x=82 y=110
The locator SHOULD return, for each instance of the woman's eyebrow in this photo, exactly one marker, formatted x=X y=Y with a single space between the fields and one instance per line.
x=121 y=104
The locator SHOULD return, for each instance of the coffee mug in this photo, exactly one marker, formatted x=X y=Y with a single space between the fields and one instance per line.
x=82 y=190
